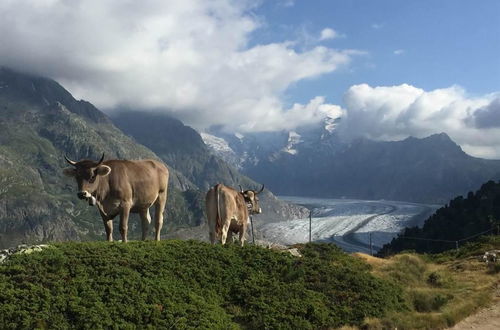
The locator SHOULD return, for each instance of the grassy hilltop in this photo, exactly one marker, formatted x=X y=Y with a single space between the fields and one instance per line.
x=188 y=284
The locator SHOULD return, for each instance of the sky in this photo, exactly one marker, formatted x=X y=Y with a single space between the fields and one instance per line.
x=391 y=69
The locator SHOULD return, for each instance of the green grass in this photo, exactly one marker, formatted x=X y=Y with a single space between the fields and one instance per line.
x=189 y=284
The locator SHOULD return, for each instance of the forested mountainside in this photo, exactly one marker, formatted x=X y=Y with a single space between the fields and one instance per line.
x=458 y=222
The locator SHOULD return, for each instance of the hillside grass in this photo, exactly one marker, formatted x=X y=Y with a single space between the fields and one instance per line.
x=440 y=289
x=189 y=284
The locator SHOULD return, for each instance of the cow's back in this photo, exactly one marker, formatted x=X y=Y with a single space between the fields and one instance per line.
x=137 y=179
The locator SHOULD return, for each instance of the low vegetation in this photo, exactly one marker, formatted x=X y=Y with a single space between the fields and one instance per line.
x=439 y=289
x=189 y=284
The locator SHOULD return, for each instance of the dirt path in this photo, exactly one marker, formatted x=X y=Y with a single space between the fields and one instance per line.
x=485 y=319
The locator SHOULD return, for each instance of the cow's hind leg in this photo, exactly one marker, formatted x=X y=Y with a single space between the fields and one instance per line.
x=159 y=208
x=146 y=221
x=211 y=235
x=225 y=229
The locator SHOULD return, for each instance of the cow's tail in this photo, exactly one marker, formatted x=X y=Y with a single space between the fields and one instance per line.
x=218 y=219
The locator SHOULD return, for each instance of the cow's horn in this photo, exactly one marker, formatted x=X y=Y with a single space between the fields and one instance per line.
x=241 y=189
x=102 y=158
x=71 y=162
x=261 y=190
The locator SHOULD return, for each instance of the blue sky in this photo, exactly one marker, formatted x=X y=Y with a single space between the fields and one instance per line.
x=390 y=69
x=437 y=43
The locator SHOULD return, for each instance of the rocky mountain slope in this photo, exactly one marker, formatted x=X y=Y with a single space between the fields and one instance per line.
x=40 y=122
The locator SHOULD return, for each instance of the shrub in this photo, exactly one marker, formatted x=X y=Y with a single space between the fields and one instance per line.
x=189 y=284
x=406 y=269
x=425 y=301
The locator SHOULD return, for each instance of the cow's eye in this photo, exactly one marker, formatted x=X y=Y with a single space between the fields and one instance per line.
x=92 y=177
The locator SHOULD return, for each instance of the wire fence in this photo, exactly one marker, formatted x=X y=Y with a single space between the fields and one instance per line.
x=457 y=242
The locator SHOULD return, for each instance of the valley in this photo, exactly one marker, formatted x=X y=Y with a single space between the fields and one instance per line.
x=347 y=222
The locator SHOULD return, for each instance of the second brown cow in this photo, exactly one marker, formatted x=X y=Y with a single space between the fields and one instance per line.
x=228 y=211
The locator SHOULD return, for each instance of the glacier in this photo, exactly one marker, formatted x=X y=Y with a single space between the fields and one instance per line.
x=347 y=223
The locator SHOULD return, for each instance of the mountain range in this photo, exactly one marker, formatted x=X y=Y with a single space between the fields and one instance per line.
x=40 y=122
x=318 y=162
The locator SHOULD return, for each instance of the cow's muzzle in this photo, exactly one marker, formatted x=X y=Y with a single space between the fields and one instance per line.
x=83 y=194
x=255 y=211
x=86 y=195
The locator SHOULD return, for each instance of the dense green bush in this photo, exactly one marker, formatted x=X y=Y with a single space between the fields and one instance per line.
x=189 y=284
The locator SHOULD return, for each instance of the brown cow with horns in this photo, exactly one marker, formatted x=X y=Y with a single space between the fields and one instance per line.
x=119 y=187
x=228 y=211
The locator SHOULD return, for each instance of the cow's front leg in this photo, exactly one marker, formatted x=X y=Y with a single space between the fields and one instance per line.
x=146 y=221
x=108 y=226
x=124 y=214
x=229 y=238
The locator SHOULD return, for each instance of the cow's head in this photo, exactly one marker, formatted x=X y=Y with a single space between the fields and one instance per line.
x=252 y=200
x=87 y=174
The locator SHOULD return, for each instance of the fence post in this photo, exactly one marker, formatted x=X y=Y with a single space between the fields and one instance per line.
x=251 y=224
x=371 y=247
x=456 y=245
x=310 y=225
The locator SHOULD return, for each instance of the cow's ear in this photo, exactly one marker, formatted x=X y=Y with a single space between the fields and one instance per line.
x=103 y=170
x=69 y=171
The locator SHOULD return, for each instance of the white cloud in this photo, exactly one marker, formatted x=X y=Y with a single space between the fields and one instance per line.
x=328 y=33
x=399 y=51
x=191 y=57
x=287 y=3
x=396 y=112
x=377 y=26
x=313 y=112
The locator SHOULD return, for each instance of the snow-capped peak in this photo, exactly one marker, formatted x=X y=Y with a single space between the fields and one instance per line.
x=294 y=138
x=217 y=144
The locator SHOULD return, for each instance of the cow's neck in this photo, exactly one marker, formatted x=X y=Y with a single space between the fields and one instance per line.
x=102 y=189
